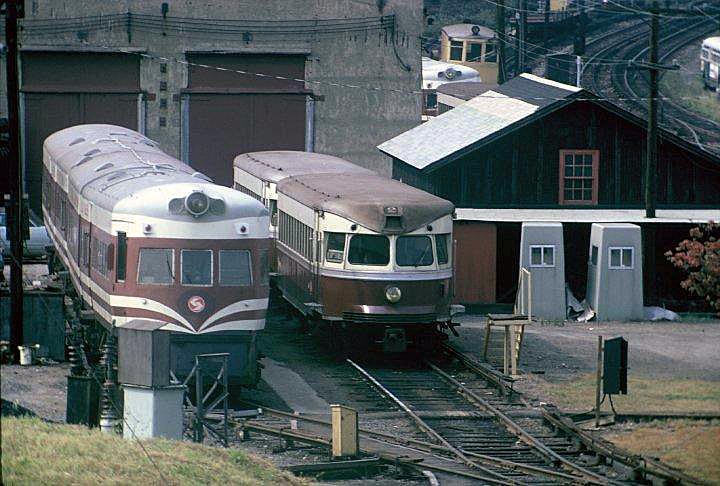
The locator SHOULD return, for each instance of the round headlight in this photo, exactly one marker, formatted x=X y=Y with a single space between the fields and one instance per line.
x=393 y=294
x=197 y=203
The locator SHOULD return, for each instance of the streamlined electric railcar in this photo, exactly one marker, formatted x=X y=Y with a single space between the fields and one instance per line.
x=145 y=236
x=369 y=256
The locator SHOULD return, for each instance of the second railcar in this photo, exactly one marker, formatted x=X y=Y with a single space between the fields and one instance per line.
x=370 y=256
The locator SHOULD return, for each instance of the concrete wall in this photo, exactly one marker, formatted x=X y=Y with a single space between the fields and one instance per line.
x=349 y=122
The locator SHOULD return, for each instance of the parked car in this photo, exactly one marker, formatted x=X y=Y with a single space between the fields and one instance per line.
x=36 y=247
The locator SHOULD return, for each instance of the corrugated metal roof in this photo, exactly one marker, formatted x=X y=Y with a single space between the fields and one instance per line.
x=476 y=119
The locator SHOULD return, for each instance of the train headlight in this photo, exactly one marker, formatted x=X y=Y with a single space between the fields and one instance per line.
x=393 y=294
x=197 y=203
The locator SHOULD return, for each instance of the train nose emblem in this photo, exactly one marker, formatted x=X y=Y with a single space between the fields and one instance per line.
x=196 y=303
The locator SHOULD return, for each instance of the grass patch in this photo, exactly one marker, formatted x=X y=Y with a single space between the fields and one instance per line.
x=36 y=452
x=686 y=85
x=644 y=395
x=693 y=447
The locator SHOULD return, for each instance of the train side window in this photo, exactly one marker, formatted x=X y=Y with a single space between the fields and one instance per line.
x=196 y=267
x=414 y=251
x=441 y=243
x=474 y=52
x=235 y=268
x=334 y=247
x=121 y=256
x=490 y=53
x=456 y=50
x=264 y=267
x=369 y=250
x=156 y=266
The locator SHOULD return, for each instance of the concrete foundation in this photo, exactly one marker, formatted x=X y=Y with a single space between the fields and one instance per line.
x=153 y=412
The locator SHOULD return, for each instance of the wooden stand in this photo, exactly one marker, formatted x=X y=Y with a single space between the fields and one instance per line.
x=514 y=329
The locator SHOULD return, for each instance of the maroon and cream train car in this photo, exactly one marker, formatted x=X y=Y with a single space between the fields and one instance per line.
x=257 y=174
x=145 y=236
x=369 y=255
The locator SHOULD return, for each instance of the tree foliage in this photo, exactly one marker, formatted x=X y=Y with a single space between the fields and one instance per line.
x=699 y=257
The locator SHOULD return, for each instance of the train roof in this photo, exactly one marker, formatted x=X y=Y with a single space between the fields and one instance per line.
x=276 y=165
x=465 y=31
x=364 y=199
x=713 y=42
x=119 y=169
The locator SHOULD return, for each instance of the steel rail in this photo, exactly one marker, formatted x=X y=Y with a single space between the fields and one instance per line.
x=429 y=430
x=388 y=458
x=639 y=463
x=430 y=447
x=547 y=453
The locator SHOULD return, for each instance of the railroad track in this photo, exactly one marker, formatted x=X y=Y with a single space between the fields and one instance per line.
x=500 y=434
x=619 y=81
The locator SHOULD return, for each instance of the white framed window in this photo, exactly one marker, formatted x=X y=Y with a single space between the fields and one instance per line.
x=542 y=255
x=622 y=257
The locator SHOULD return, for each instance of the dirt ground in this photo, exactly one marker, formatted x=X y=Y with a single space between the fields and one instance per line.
x=40 y=389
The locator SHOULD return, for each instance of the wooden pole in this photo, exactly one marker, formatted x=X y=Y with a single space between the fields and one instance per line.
x=500 y=33
x=598 y=383
x=15 y=210
x=651 y=162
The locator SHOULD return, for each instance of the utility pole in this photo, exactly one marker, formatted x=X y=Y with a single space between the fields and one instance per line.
x=651 y=162
x=523 y=30
x=502 y=38
x=14 y=10
x=546 y=23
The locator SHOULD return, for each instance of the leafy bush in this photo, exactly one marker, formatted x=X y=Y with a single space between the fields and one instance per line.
x=699 y=257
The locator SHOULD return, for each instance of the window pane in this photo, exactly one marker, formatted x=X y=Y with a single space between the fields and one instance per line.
x=456 y=48
x=196 y=267
x=615 y=257
x=587 y=171
x=535 y=255
x=568 y=159
x=594 y=255
x=415 y=251
x=587 y=195
x=549 y=256
x=234 y=267
x=490 y=54
x=431 y=100
x=369 y=250
x=264 y=267
x=474 y=52
x=441 y=242
x=155 y=266
x=568 y=195
x=568 y=171
x=588 y=159
x=335 y=247
x=627 y=257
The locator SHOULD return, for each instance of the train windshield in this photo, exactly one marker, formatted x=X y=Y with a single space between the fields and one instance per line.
x=369 y=250
x=235 y=267
x=196 y=267
x=155 y=266
x=414 y=251
x=335 y=247
x=474 y=52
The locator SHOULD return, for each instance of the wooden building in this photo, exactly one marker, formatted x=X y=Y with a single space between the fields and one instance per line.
x=537 y=150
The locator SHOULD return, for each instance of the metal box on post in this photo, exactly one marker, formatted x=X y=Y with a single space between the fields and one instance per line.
x=144 y=354
x=615 y=357
x=344 y=431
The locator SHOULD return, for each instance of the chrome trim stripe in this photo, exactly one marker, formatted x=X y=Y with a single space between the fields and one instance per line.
x=389 y=276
